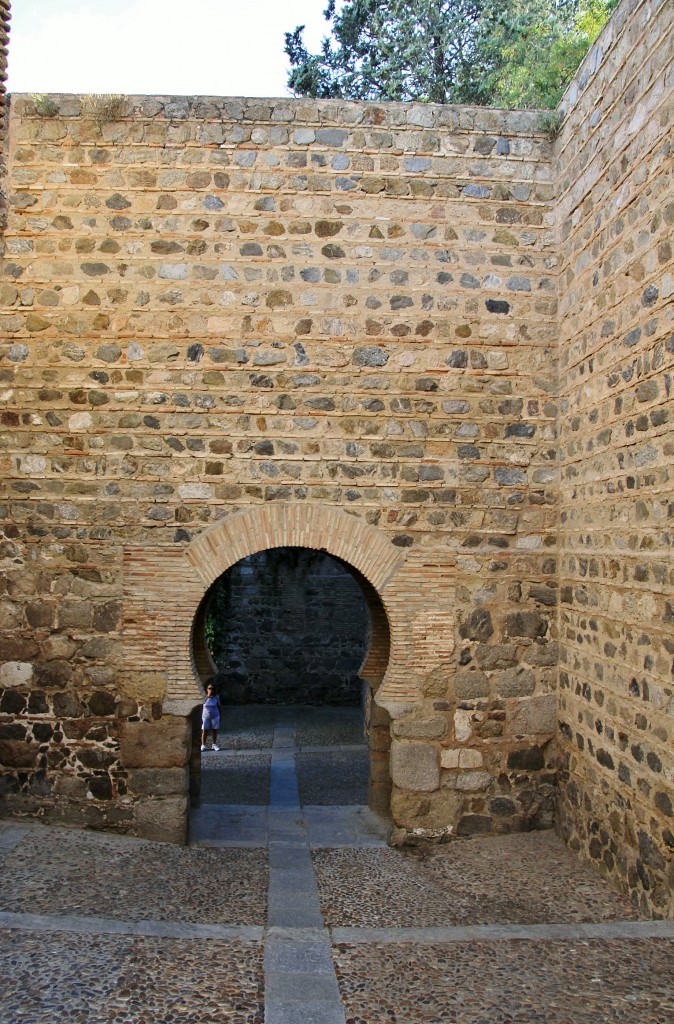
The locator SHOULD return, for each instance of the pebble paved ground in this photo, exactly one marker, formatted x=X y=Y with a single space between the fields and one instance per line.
x=288 y=907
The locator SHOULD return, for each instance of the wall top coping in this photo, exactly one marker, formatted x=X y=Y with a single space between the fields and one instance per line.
x=288 y=110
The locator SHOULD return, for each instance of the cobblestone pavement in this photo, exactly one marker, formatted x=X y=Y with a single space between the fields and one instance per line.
x=515 y=982
x=344 y=771
x=235 y=777
x=316 y=922
x=65 y=871
x=504 y=880
x=114 y=980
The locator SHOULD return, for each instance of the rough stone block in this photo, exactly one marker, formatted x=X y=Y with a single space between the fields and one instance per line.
x=470 y=782
x=425 y=810
x=18 y=754
x=414 y=766
x=421 y=728
x=162 y=821
x=515 y=682
x=470 y=685
x=159 y=782
x=491 y=656
x=463 y=725
x=535 y=715
x=162 y=744
x=461 y=757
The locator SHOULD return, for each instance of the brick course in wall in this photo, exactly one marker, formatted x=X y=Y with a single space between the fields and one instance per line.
x=373 y=329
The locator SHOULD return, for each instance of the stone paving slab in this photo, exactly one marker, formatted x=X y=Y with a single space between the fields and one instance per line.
x=306 y=1012
x=226 y=825
x=579 y=982
x=57 y=979
x=70 y=871
x=287 y=954
x=110 y=926
x=11 y=836
x=507 y=932
x=354 y=826
x=529 y=878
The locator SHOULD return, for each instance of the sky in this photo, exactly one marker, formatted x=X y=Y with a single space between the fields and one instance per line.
x=179 y=47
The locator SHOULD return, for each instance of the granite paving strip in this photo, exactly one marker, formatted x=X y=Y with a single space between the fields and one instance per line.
x=300 y=981
x=237 y=826
x=113 y=926
x=11 y=836
x=507 y=933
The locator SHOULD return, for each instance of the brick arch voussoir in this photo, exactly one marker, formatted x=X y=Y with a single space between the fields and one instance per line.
x=318 y=527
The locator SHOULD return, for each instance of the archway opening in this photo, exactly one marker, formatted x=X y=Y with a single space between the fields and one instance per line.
x=295 y=634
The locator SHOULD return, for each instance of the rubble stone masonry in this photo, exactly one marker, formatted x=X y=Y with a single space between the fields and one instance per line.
x=230 y=325
x=616 y=220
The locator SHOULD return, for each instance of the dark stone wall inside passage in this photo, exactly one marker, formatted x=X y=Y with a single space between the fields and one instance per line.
x=290 y=627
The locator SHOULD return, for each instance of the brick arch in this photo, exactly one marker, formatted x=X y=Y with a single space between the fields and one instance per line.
x=165 y=586
x=304 y=526
x=369 y=556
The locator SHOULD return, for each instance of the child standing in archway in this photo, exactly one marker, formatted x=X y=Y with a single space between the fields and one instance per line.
x=210 y=717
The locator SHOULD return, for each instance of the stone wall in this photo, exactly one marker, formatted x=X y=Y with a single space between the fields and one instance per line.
x=291 y=627
x=616 y=216
x=5 y=17
x=289 y=309
x=4 y=41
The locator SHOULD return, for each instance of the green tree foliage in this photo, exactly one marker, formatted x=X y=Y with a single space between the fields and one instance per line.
x=537 y=46
x=515 y=53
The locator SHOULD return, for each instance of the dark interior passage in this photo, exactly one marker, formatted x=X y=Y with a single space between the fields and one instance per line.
x=294 y=639
x=287 y=626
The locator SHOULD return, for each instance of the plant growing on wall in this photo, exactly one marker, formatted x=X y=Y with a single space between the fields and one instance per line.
x=104 y=107
x=45 y=106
